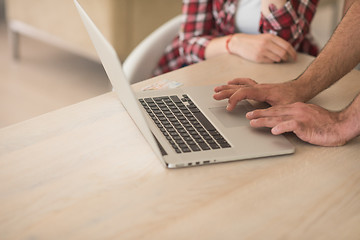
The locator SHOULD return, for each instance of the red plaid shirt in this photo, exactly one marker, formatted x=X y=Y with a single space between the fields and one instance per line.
x=205 y=20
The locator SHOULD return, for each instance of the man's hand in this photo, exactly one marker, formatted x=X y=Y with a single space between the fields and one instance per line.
x=246 y=88
x=309 y=122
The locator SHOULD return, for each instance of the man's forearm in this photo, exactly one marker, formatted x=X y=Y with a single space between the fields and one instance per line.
x=347 y=5
x=340 y=55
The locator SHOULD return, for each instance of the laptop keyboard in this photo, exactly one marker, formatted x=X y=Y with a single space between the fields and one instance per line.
x=183 y=125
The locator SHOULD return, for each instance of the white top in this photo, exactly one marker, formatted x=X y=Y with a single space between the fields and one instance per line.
x=247 y=16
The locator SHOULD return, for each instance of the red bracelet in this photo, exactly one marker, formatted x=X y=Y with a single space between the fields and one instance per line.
x=227 y=43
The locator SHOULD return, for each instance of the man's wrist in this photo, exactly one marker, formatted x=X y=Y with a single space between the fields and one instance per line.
x=302 y=91
x=349 y=123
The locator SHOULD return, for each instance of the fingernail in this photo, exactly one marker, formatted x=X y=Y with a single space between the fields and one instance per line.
x=274 y=130
x=249 y=114
x=253 y=122
x=228 y=107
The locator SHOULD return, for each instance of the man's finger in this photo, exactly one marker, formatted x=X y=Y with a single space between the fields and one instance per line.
x=283 y=127
x=224 y=94
x=242 y=81
x=276 y=111
x=269 y=122
x=226 y=87
x=250 y=93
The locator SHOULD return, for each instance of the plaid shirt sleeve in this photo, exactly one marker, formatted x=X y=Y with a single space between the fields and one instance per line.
x=196 y=32
x=292 y=23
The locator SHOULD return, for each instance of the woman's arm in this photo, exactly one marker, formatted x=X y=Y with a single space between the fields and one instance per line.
x=266 y=3
x=261 y=48
x=290 y=21
x=264 y=48
x=197 y=29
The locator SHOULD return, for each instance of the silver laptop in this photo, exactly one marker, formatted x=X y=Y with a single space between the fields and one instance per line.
x=185 y=126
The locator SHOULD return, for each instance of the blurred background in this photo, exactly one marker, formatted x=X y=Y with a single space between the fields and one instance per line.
x=47 y=61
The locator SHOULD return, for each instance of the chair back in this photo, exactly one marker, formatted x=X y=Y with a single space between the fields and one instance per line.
x=142 y=61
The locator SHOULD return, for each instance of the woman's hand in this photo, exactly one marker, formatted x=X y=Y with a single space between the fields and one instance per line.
x=262 y=48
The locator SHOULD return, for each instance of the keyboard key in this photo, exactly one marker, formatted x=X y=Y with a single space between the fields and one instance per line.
x=207 y=137
x=183 y=146
x=175 y=98
x=218 y=137
x=199 y=140
x=180 y=141
x=178 y=127
x=225 y=145
x=184 y=134
x=173 y=119
x=196 y=136
x=174 y=134
x=190 y=128
x=221 y=141
x=204 y=146
x=182 y=131
x=214 y=132
x=204 y=121
x=148 y=100
x=185 y=150
x=214 y=146
x=195 y=148
x=157 y=112
x=192 y=132
x=204 y=134
x=162 y=119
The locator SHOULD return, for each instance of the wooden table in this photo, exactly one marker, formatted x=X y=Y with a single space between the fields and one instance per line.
x=86 y=172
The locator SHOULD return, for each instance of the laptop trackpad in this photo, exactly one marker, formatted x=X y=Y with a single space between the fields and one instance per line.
x=235 y=118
